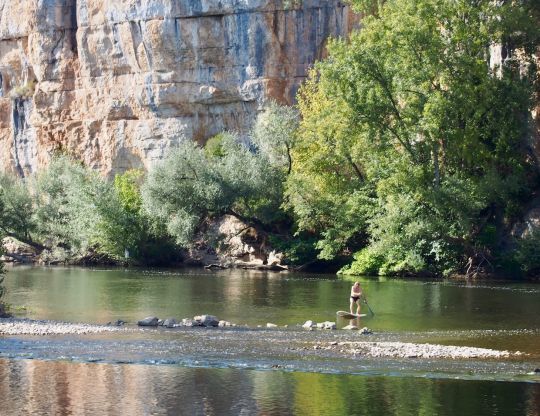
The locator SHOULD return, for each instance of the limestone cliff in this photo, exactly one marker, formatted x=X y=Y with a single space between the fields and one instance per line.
x=119 y=82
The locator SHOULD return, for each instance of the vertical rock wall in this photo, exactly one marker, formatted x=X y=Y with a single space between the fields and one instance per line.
x=119 y=82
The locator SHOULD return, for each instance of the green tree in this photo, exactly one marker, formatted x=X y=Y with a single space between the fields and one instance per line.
x=274 y=134
x=122 y=225
x=192 y=185
x=67 y=196
x=16 y=209
x=409 y=118
x=528 y=252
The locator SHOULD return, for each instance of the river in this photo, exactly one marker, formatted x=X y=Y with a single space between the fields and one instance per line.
x=252 y=370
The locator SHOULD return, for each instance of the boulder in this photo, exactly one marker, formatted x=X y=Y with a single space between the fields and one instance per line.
x=206 y=320
x=328 y=325
x=189 y=322
x=366 y=331
x=169 y=322
x=308 y=325
x=149 y=321
x=160 y=322
x=17 y=251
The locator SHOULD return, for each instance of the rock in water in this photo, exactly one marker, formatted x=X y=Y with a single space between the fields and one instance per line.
x=169 y=322
x=149 y=321
x=329 y=325
x=207 y=320
x=308 y=325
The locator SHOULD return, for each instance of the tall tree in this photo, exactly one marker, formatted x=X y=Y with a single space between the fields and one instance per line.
x=409 y=127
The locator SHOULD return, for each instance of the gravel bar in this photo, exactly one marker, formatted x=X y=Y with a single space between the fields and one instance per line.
x=412 y=350
x=13 y=326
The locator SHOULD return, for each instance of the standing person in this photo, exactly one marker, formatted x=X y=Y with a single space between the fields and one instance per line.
x=356 y=293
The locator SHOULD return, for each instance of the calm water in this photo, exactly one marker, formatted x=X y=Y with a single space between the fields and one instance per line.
x=494 y=315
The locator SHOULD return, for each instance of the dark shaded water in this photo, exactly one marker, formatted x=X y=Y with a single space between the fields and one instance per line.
x=189 y=374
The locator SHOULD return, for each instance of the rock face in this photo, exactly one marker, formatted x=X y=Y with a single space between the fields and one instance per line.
x=117 y=83
x=238 y=245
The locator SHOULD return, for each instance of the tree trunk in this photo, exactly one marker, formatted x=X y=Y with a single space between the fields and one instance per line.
x=436 y=168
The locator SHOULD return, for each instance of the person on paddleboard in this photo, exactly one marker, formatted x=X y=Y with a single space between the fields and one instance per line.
x=356 y=293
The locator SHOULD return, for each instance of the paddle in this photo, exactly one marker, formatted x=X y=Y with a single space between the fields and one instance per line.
x=370 y=310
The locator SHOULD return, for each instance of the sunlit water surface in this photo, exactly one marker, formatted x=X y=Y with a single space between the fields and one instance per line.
x=495 y=315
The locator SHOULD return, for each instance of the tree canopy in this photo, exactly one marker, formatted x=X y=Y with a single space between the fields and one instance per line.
x=411 y=143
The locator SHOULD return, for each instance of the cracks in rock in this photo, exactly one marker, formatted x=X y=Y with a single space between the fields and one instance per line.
x=19 y=125
x=59 y=43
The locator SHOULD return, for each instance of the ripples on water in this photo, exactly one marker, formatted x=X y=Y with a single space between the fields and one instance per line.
x=61 y=388
x=498 y=315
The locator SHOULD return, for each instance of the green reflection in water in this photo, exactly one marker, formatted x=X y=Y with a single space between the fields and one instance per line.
x=48 y=387
x=77 y=294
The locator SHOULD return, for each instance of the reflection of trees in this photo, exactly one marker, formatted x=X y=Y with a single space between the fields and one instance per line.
x=54 y=387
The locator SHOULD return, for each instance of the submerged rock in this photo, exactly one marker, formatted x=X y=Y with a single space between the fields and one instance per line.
x=149 y=321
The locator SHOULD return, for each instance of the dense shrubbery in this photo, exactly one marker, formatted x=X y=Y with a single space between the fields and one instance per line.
x=528 y=252
x=228 y=176
x=73 y=212
x=410 y=147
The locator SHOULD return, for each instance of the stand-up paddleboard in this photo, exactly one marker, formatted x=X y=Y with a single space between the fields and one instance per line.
x=348 y=315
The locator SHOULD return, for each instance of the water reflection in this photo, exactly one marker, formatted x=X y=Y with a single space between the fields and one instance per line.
x=44 y=387
x=254 y=298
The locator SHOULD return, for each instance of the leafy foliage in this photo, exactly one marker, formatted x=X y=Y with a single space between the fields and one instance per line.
x=66 y=209
x=193 y=185
x=274 y=134
x=411 y=143
x=15 y=208
x=528 y=252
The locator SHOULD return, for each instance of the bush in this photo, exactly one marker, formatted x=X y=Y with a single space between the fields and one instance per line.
x=67 y=199
x=528 y=252
x=365 y=263
x=298 y=250
x=192 y=185
x=16 y=208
